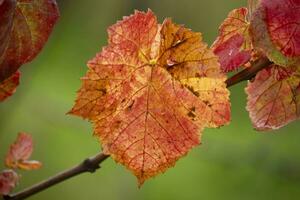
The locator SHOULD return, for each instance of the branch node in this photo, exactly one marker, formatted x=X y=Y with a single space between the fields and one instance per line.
x=90 y=166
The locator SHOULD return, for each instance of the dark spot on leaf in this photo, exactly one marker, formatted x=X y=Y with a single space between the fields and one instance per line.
x=191 y=114
x=103 y=90
x=193 y=109
x=192 y=90
x=130 y=106
x=207 y=103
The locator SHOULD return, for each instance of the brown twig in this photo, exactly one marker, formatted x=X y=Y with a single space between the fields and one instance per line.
x=93 y=163
x=88 y=165
x=249 y=72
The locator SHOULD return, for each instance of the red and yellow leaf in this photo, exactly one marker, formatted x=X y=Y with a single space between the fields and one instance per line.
x=8 y=181
x=233 y=45
x=8 y=86
x=27 y=25
x=20 y=152
x=274 y=98
x=275 y=30
x=150 y=92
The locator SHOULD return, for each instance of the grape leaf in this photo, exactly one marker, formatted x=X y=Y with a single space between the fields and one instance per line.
x=150 y=92
x=8 y=181
x=27 y=25
x=19 y=153
x=230 y=56
x=282 y=19
x=8 y=86
x=274 y=98
x=275 y=30
x=233 y=45
x=7 y=8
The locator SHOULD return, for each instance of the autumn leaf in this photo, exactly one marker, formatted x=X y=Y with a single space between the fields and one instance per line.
x=275 y=30
x=282 y=19
x=233 y=45
x=274 y=97
x=150 y=92
x=235 y=23
x=8 y=181
x=6 y=18
x=230 y=56
x=8 y=86
x=20 y=152
x=25 y=27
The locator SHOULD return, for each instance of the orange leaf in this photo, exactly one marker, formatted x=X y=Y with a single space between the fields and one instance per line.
x=274 y=97
x=233 y=45
x=150 y=93
x=25 y=27
x=19 y=153
x=8 y=181
x=8 y=86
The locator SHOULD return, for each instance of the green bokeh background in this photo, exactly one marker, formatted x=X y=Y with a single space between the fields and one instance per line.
x=234 y=162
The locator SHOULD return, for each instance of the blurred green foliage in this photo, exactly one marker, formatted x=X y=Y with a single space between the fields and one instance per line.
x=234 y=162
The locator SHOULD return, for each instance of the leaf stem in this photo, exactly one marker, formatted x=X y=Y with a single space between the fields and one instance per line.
x=93 y=163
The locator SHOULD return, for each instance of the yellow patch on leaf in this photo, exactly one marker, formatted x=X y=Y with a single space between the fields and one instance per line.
x=236 y=23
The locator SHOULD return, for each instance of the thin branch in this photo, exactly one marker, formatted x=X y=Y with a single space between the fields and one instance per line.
x=88 y=165
x=93 y=163
x=249 y=72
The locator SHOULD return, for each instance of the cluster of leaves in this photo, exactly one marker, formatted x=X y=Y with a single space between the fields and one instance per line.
x=17 y=158
x=154 y=88
x=274 y=95
x=272 y=30
x=25 y=26
x=150 y=92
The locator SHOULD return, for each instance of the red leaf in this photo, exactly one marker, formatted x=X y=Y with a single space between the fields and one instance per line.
x=275 y=30
x=8 y=181
x=233 y=45
x=19 y=153
x=27 y=25
x=8 y=86
x=282 y=19
x=7 y=8
x=150 y=93
x=273 y=97
x=230 y=56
